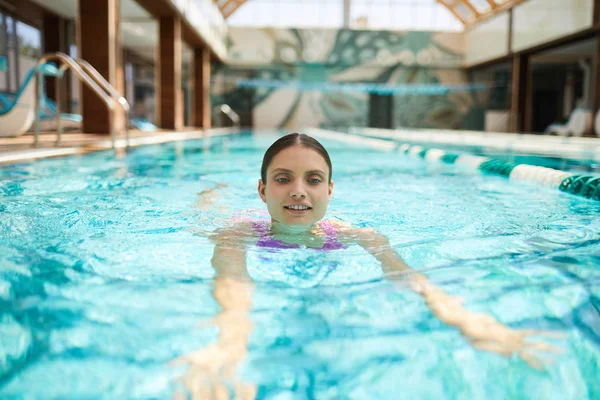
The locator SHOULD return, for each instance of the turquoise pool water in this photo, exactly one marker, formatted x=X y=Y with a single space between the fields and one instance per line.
x=105 y=278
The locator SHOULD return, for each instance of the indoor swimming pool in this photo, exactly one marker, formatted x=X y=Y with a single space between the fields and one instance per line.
x=106 y=278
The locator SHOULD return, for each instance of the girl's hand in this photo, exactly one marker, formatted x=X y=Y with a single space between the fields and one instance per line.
x=213 y=368
x=484 y=331
x=514 y=342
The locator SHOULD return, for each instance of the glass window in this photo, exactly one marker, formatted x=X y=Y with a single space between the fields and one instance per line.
x=73 y=105
x=21 y=45
x=2 y=35
x=142 y=101
x=373 y=16
x=364 y=14
x=464 y=11
x=11 y=76
x=28 y=45
x=494 y=101
x=482 y=6
x=561 y=81
x=30 y=41
x=424 y=18
x=4 y=78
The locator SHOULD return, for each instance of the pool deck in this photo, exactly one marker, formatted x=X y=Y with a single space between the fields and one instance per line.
x=22 y=149
x=577 y=148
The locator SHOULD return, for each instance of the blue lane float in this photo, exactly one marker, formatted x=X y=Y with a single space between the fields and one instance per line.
x=580 y=185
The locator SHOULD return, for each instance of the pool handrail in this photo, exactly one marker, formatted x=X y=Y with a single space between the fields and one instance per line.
x=233 y=116
x=110 y=89
x=68 y=63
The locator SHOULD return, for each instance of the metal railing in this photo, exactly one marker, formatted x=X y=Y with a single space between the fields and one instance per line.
x=110 y=89
x=232 y=115
x=92 y=79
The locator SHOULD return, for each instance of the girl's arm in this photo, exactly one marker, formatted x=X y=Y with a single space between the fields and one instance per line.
x=233 y=285
x=212 y=367
x=483 y=331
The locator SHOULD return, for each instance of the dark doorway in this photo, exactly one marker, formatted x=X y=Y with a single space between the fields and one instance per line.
x=380 y=111
x=547 y=96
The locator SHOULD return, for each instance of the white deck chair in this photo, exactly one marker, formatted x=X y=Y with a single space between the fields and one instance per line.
x=580 y=122
x=16 y=118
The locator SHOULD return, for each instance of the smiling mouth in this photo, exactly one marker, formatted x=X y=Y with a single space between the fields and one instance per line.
x=297 y=208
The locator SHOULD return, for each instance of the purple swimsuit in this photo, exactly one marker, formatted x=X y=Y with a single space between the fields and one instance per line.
x=263 y=228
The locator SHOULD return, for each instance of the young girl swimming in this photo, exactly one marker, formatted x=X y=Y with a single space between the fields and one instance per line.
x=296 y=186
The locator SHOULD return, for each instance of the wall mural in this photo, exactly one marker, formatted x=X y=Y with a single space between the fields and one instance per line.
x=289 y=78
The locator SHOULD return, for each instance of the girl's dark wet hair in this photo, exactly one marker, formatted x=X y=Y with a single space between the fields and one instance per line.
x=291 y=140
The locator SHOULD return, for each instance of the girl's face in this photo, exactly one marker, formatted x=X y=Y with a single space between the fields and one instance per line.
x=297 y=191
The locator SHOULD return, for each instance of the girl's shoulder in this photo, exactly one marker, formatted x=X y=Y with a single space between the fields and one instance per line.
x=346 y=229
x=236 y=231
x=250 y=224
x=338 y=224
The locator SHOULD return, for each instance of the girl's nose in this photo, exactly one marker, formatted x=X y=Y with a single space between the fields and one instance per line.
x=297 y=192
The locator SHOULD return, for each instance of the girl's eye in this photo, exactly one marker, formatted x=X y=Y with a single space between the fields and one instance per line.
x=314 y=180
x=282 y=180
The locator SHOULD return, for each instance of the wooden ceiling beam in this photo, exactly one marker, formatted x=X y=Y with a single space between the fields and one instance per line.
x=492 y=4
x=450 y=8
x=471 y=8
x=224 y=5
x=234 y=8
x=228 y=7
x=478 y=17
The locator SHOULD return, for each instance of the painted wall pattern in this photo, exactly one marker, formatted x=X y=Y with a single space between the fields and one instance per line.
x=311 y=58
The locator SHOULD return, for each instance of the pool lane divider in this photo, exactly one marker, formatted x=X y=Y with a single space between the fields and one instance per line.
x=577 y=148
x=580 y=185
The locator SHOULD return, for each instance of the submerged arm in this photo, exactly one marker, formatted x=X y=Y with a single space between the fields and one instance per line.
x=233 y=285
x=211 y=368
x=483 y=331
x=392 y=264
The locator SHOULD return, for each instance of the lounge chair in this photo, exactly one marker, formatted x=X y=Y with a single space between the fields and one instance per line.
x=579 y=123
x=17 y=112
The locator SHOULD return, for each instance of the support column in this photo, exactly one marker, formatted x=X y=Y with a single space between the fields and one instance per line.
x=54 y=39
x=596 y=68
x=596 y=78
x=520 y=93
x=346 y=16
x=201 y=89
x=98 y=43
x=168 y=93
x=596 y=82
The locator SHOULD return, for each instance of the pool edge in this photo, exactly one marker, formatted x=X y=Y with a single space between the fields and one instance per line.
x=32 y=154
